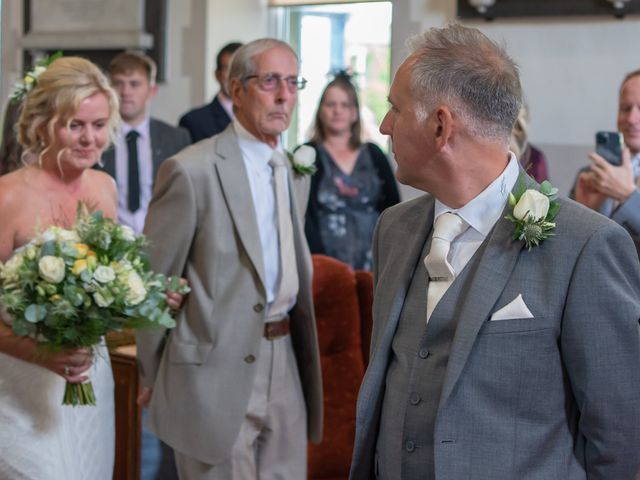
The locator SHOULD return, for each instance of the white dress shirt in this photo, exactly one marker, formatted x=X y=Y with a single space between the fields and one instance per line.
x=481 y=213
x=145 y=165
x=227 y=105
x=256 y=156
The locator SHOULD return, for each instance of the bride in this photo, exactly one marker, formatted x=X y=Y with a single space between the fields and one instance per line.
x=67 y=119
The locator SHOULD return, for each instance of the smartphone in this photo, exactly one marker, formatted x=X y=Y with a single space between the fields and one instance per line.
x=609 y=146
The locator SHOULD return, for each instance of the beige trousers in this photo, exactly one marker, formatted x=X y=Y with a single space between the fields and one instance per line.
x=272 y=443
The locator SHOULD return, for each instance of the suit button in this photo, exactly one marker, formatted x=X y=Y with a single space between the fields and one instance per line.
x=410 y=446
x=258 y=307
x=249 y=359
x=423 y=353
x=414 y=399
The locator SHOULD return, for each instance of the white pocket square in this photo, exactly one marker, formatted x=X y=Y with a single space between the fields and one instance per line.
x=514 y=309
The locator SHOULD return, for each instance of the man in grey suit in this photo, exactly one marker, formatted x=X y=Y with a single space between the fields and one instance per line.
x=236 y=388
x=143 y=142
x=509 y=362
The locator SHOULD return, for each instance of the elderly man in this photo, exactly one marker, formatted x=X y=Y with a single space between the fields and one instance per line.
x=237 y=385
x=613 y=190
x=492 y=357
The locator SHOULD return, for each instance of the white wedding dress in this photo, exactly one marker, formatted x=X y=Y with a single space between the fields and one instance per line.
x=41 y=439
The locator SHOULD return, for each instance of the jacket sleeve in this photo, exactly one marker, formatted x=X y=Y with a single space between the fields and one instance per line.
x=600 y=344
x=170 y=226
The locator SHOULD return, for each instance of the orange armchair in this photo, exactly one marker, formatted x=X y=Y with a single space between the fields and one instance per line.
x=342 y=300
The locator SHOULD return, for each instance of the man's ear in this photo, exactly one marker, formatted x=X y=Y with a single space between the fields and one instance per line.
x=235 y=87
x=443 y=126
x=153 y=90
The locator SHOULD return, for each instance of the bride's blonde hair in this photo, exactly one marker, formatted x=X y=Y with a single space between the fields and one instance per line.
x=56 y=98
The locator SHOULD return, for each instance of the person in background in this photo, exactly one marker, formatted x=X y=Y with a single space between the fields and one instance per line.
x=67 y=119
x=213 y=118
x=532 y=160
x=142 y=145
x=353 y=182
x=236 y=387
x=143 y=142
x=613 y=190
x=10 y=149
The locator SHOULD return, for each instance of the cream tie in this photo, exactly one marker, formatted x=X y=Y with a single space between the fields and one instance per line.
x=446 y=228
x=288 y=285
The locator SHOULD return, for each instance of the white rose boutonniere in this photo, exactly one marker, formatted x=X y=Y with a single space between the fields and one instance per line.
x=303 y=160
x=534 y=212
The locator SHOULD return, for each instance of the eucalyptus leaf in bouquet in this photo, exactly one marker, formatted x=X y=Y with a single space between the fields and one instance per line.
x=67 y=288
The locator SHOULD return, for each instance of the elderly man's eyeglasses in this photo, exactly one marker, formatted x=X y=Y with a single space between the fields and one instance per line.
x=270 y=81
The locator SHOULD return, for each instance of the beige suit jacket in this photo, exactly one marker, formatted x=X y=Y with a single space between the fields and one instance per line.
x=202 y=225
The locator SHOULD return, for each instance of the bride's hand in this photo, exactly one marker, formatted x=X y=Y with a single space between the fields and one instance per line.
x=70 y=364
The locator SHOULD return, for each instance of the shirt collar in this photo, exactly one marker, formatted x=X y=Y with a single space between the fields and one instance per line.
x=142 y=128
x=226 y=104
x=483 y=211
x=253 y=149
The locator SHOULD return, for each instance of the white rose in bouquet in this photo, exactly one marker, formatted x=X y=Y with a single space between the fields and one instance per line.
x=104 y=274
x=127 y=233
x=9 y=270
x=51 y=268
x=137 y=292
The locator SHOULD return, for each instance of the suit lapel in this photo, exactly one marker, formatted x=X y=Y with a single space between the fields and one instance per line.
x=157 y=146
x=109 y=160
x=235 y=185
x=412 y=237
x=497 y=260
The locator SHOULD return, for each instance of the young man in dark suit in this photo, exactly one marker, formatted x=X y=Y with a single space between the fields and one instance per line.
x=143 y=143
x=213 y=118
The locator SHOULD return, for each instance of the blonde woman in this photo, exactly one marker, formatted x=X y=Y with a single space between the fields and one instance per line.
x=67 y=119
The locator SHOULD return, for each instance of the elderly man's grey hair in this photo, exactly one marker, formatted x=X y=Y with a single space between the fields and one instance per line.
x=243 y=63
x=472 y=74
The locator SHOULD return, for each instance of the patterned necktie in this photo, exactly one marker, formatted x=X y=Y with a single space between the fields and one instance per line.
x=133 y=184
x=446 y=228
x=288 y=287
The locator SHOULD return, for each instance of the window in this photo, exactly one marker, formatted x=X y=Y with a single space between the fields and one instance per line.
x=353 y=37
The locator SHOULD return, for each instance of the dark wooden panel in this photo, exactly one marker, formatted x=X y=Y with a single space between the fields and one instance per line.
x=546 y=8
x=128 y=417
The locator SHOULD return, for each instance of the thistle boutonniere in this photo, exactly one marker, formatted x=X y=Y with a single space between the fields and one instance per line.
x=303 y=160
x=534 y=212
x=30 y=78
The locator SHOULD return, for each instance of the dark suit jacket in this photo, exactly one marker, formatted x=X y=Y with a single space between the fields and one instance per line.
x=206 y=121
x=166 y=141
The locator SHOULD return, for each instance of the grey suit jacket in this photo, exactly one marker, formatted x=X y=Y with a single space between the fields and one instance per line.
x=202 y=225
x=166 y=141
x=556 y=396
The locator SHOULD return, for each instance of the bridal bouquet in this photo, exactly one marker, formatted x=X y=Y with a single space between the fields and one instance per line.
x=69 y=287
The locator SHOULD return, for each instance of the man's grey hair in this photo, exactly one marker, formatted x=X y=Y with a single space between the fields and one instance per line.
x=472 y=74
x=243 y=63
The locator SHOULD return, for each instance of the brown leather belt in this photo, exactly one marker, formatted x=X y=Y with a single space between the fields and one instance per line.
x=273 y=330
